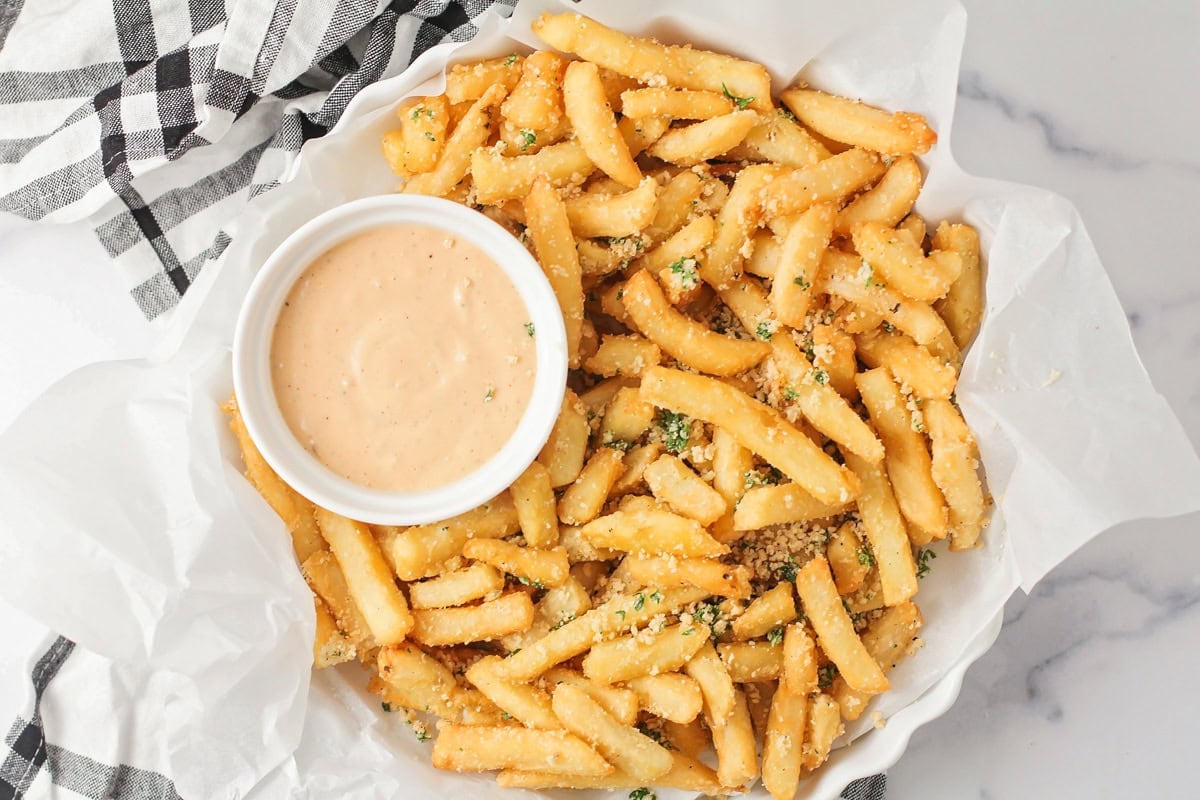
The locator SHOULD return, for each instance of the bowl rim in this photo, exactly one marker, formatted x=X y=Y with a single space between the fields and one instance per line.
x=255 y=393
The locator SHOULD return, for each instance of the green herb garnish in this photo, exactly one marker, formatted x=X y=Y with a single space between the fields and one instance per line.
x=765 y=331
x=528 y=138
x=685 y=268
x=820 y=376
x=529 y=328
x=740 y=102
x=923 y=558
x=676 y=429
x=775 y=635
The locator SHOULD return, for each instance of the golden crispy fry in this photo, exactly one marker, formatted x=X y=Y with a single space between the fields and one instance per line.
x=533 y=497
x=527 y=704
x=498 y=177
x=418 y=681
x=778 y=139
x=545 y=568
x=671 y=696
x=755 y=426
x=371 y=583
x=624 y=356
x=536 y=102
x=725 y=580
x=423 y=129
x=910 y=363
x=832 y=179
x=594 y=123
x=564 y=451
x=421 y=551
x=750 y=662
x=456 y=588
x=651 y=62
x=621 y=703
x=686 y=774
x=848 y=559
x=824 y=725
x=474 y=748
x=799 y=660
x=887 y=639
x=888 y=201
x=962 y=307
x=295 y=511
x=835 y=631
x=626 y=748
x=674 y=103
x=854 y=123
x=464 y=624
x=682 y=337
x=895 y=259
x=582 y=501
x=799 y=265
x=909 y=465
x=330 y=645
x=675 y=204
x=468 y=135
x=652 y=531
x=955 y=461
x=325 y=578
x=674 y=483
x=613 y=215
x=772 y=608
x=783 y=744
x=701 y=141
x=468 y=82
x=550 y=231
x=733 y=739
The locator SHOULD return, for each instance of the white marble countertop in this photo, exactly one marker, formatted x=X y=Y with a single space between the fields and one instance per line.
x=1091 y=690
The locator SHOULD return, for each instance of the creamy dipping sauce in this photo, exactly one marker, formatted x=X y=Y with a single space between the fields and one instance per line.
x=403 y=358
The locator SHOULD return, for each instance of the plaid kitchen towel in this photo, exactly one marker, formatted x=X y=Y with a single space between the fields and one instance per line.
x=157 y=120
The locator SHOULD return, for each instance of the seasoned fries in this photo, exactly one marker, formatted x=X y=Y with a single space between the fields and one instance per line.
x=759 y=429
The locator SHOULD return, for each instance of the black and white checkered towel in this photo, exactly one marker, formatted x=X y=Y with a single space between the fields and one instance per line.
x=157 y=121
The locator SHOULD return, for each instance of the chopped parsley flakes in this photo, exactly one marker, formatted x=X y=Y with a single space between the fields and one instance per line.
x=825 y=676
x=765 y=330
x=528 y=138
x=775 y=635
x=740 y=102
x=865 y=557
x=676 y=430
x=820 y=376
x=529 y=328
x=803 y=284
x=429 y=135
x=923 y=558
x=685 y=268
x=642 y=794
x=512 y=59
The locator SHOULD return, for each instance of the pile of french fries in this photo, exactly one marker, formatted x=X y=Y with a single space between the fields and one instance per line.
x=724 y=534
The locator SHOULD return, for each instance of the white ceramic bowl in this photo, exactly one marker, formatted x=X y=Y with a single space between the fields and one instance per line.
x=256 y=397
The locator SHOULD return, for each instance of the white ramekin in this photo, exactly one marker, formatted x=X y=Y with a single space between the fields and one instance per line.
x=265 y=422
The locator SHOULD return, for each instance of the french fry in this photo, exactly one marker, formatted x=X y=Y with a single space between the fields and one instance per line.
x=498 y=177
x=716 y=577
x=630 y=751
x=775 y=505
x=325 y=578
x=854 y=123
x=558 y=606
x=576 y=636
x=846 y=278
x=955 y=461
x=550 y=231
x=771 y=609
x=783 y=753
x=834 y=351
x=536 y=102
x=962 y=307
x=909 y=465
x=613 y=215
x=371 y=583
x=674 y=103
x=456 y=588
x=779 y=140
x=527 y=704
x=830 y=180
x=708 y=670
x=824 y=725
x=423 y=129
x=392 y=144
x=468 y=135
x=820 y=403
x=754 y=425
x=474 y=748
x=686 y=774
x=731 y=463
x=418 y=681
x=580 y=549
x=887 y=639
x=835 y=631
x=799 y=264
x=584 y=498
x=910 y=363
x=673 y=483
x=467 y=82
x=848 y=559
x=636 y=461
x=888 y=201
x=621 y=703
x=738 y=217
x=652 y=532
x=898 y=261
x=626 y=418
x=633 y=656
x=641 y=133
x=492 y=619
x=330 y=645
x=750 y=662
x=885 y=531
x=675 y=204
x=564 y=451
x=646 y=59
x=670 y=696
x=686 y=243
x=624 y=356
x=691 y=738
x=758 y=703
x=799 y=660
x=594 y=123
x=533 y=498
x=682 y=337
x=421 y=550
x=701 y=141
x=544 y=568
x=295 y=511
x=914 y=223
x=737 y=762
